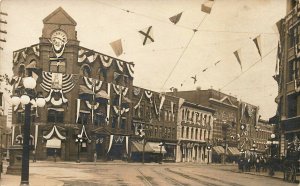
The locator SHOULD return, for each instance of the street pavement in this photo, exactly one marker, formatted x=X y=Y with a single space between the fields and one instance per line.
x=45 y=173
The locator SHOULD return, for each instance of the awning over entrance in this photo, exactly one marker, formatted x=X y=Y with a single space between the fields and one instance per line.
x=219 y=150
x=233 y=151
x=138 y=147
x=156 y=148
x=54 y=143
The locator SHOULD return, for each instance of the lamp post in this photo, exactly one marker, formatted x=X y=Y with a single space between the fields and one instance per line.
x=272 y=145
x=161 y=144
x=78 y=140
x=208 y=152
x=28 y=98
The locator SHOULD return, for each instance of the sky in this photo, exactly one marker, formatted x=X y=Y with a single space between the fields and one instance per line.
x=177 y=53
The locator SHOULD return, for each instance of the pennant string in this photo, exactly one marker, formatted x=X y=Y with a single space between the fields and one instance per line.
x=249 y=68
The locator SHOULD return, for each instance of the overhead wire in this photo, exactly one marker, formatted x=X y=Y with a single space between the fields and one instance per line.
x=257 y=62
x=183 y=52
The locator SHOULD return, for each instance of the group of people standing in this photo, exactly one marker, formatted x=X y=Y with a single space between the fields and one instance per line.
x=259 y=162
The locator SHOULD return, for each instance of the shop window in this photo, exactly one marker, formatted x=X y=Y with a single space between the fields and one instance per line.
x=57 y=66
x=56 y=115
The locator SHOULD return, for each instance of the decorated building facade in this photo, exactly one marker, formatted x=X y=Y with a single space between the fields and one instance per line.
x=287 y=77
x=88 y=96
x=194 y=132
x=154 y=124
x=224 y=133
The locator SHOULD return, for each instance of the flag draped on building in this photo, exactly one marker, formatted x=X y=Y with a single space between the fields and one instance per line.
x=237 y=54
x=117 y=47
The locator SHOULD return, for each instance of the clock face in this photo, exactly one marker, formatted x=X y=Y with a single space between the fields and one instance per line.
x=59 y=38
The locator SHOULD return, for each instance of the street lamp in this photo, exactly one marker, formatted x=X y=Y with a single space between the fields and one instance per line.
x=79 y=141
x=208 y=152
x=161 y=144
x=30 y=97
x=272 y=144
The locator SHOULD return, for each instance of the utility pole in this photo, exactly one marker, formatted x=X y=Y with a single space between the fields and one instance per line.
x=2 y=22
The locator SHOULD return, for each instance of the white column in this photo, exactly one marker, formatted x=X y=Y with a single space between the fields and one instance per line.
x=178 y=153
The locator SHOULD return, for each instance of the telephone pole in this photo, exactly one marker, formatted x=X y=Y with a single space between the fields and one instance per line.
x=2 y=22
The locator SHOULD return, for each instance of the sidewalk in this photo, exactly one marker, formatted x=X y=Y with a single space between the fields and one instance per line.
x=34 y=180
x=277 y=175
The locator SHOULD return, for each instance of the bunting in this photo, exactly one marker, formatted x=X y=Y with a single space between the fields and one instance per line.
x=237 y=54
x=257 y=42
x=117 y=47
x=175 y=19
x=120 y=65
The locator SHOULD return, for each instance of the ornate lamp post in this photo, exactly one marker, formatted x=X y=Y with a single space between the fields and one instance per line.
x=30 y=97
x=78 y=140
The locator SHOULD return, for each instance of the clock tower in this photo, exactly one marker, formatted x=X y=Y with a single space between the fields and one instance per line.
x=59 y=44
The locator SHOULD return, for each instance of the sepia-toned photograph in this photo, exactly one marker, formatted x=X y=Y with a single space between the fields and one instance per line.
x=149 y=92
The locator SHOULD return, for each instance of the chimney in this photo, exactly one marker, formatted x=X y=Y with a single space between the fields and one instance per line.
x=198 y=88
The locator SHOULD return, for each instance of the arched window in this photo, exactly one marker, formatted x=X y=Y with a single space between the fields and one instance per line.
x=85 y=70
x=192 y=133
x=182 y=132
x=196 y=134
x=21 y=71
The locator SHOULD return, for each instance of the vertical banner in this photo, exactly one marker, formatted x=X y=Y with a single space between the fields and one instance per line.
x=110 y=142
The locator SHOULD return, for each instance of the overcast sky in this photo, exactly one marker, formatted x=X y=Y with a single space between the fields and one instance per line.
x=231 y=25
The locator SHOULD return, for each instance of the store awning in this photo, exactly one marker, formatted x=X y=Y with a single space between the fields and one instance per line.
x=233 y=151
x=53 y=143
x=138 y=147
x=219 y=150
x=156 y=148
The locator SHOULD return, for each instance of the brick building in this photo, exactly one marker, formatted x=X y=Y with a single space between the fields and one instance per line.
x=287 y=77
x=155 y=121
x=194 y=132
x=225 y=120
x=87 y=95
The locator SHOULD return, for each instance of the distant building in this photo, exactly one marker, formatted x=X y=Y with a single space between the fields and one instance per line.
x=225 y=120
x=288 y=78
x=155 y=118
x=194 y=132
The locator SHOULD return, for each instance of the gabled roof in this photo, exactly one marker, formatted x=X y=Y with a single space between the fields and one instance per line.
x=60 y=16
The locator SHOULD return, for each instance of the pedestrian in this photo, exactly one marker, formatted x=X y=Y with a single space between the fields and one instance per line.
x=55 y=155
x=34 y=157
x=95 y=157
